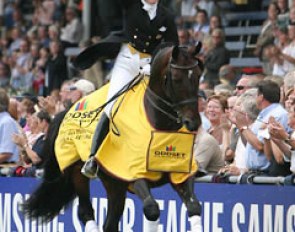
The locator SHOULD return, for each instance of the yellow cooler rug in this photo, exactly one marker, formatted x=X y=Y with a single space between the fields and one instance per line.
x=76 y=131
x=133 y=149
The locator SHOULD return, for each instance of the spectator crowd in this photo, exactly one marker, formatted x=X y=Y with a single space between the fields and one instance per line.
x=247 y=120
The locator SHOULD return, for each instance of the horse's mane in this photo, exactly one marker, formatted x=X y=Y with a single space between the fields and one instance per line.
x=160 y=47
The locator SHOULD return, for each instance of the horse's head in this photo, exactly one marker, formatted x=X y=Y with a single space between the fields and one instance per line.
x=175 y=77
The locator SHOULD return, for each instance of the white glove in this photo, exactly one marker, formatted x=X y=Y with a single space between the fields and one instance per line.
x=146 y=69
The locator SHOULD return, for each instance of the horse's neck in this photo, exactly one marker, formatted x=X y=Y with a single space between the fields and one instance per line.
x=157 y=115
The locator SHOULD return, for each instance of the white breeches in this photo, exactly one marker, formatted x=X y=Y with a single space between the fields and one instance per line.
x=126 y=67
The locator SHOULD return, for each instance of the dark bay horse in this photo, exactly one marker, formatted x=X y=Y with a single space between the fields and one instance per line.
x=170 y=102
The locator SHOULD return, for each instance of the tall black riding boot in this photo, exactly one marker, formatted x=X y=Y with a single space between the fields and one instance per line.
x=90 y=167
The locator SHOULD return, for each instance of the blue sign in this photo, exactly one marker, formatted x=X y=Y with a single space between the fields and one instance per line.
x=226 y=207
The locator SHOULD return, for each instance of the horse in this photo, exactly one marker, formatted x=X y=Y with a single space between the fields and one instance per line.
x=170 y=102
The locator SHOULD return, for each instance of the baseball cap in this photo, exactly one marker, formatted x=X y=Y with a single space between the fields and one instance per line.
x=85 y=86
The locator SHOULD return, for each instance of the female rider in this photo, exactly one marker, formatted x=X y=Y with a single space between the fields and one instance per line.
x=147 y=24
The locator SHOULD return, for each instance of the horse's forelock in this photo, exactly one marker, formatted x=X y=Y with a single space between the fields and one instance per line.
x=190 y=53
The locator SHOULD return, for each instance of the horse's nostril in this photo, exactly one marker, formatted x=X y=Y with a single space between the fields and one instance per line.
x=191 y=125
x=186 y=123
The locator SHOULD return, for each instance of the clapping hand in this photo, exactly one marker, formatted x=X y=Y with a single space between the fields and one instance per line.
x=48 y=104
x=19 y=139
x=230 y=169
x=241 y=118
x=225 y=122
x=276 y=130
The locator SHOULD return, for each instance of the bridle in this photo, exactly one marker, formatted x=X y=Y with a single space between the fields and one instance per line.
x=170 y=90
x=152 y=97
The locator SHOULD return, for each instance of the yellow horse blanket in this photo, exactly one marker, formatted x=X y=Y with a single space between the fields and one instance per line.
x=133 y=149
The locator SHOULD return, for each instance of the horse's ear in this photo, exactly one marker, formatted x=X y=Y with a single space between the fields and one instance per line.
x=200 y=64
x=175 y=52
x=198 y=48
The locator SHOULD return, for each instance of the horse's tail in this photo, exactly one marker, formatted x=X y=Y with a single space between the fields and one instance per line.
x=56 y=190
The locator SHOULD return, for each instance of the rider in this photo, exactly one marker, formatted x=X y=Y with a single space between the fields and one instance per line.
x=147 y=24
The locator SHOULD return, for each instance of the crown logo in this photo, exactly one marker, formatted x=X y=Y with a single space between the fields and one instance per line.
x=170 y=148
x=81 y=105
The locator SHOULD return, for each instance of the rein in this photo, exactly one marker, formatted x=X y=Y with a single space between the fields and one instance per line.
x=154 y=104
x=136 y=80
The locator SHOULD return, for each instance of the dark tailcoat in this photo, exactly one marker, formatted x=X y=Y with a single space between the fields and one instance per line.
x=139 y=31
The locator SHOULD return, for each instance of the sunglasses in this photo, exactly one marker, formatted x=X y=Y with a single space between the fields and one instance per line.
x=72 y=88
x=240 y=87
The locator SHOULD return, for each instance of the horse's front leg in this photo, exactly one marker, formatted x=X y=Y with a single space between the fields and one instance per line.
x=116 y=194
x=186 y=192
x=150 y=206
x=85 y=210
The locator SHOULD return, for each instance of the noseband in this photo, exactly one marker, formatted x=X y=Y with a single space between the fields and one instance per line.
x=174 y=106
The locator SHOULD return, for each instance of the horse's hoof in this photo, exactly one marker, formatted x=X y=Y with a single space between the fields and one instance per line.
x=91 y=227
x=90 y=168
x=151 y=209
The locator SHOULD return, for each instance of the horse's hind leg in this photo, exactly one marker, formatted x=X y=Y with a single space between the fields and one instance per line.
x=186 y=192
x=85 y=210
x=150 y=206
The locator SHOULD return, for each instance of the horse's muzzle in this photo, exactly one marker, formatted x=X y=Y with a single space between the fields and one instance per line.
x=191 y=124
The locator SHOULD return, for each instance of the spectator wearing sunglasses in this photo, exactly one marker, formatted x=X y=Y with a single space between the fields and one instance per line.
x=253 y=82
x=242 y=85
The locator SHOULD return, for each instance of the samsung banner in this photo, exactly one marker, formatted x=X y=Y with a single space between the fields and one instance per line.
x=226 y=207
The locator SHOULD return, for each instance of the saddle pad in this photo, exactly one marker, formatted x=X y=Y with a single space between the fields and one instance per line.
x=122 y=155
x=170 y=152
